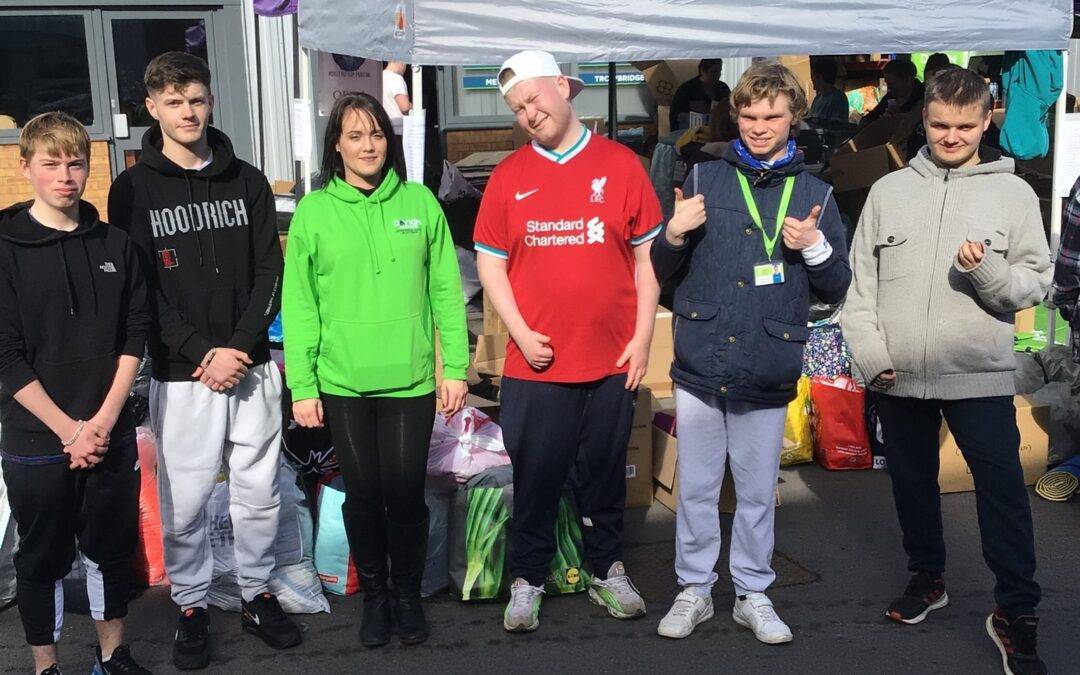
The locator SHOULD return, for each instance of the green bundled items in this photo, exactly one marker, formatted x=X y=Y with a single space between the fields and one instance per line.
x=486 y=518
x=479 y=564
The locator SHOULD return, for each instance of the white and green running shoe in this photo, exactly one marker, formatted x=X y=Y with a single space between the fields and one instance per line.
x=522 y=613
x=617 y=594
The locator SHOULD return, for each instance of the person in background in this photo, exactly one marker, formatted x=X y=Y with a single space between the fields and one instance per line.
x=936 y=62
x=1066 y=289
x=947 y=250
x=830 y=106
x=698 y=94
x=73 y=324
x=370 y=275
x=395 y=94
x=742 y=299
x=905 y=92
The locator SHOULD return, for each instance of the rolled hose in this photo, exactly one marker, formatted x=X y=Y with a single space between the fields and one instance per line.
x=1059 y=484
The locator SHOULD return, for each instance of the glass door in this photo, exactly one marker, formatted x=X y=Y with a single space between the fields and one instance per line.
x=132 y=39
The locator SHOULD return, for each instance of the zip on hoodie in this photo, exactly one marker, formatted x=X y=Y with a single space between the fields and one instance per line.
x=933 y=275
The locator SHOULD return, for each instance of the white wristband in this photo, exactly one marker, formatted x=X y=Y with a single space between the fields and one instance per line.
x=819 y=252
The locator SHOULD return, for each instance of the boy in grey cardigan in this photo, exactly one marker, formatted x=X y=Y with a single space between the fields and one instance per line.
x=947 y=250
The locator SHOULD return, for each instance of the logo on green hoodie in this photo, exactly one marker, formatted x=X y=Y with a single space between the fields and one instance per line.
x=407 y=225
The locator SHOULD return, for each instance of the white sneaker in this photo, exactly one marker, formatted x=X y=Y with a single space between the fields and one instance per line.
x=617 y=594
x=522 y=613
x=756 y=613
x=685 y=614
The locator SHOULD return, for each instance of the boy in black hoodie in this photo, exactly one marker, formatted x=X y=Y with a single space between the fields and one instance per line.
x=73 y=325
x=205 y=221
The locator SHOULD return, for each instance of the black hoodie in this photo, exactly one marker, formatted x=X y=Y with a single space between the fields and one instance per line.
x=211 y=249
x=70 y=304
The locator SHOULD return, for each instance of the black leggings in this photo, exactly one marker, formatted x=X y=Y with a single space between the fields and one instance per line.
x=382 y=447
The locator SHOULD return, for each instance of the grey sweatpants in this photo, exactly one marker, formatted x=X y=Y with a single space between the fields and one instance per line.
x=197 y=431
x=748 y=437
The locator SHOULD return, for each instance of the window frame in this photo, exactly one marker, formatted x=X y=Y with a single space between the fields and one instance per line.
x=100 y=129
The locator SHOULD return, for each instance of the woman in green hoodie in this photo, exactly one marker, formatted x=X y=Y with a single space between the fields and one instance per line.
x=370 y=271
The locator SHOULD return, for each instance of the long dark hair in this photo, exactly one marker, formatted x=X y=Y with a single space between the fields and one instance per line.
x=363 y=103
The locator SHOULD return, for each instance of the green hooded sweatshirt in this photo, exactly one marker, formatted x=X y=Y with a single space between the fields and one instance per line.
x=367 y=280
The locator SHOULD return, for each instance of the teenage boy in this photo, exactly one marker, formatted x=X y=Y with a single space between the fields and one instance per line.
x=205 y=223
x=73 y=325
x=563 y=234
x=754 y=239
x=947 y=250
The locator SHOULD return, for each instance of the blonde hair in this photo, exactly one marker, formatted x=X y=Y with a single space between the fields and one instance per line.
x=769 y=79
x=55 y=133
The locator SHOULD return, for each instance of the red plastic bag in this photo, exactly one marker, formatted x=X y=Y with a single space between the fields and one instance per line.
x=148 y=563
x=839 y=423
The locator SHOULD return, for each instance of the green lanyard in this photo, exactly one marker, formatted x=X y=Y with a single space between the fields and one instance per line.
x=781 y=213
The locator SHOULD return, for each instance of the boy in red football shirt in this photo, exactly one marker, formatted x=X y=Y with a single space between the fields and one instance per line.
x=565 y=227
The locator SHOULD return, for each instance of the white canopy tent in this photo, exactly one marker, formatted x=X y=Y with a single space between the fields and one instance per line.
x=465 y=32
x=475 y=32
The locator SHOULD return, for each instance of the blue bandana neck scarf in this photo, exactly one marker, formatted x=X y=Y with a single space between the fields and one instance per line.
x=749 y=160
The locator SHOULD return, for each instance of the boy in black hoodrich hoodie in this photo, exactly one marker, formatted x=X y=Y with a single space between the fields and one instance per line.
x=205 y=221
x=73 y=325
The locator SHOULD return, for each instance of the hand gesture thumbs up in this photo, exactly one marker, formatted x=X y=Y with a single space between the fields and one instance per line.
x=802 y=234
x=689 y=215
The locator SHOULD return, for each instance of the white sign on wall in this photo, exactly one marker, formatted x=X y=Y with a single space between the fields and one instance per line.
x=340 y=74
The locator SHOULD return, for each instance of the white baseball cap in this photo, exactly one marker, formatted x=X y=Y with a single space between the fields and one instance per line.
x=535 y=63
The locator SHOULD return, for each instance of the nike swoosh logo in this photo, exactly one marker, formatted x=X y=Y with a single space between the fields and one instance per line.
x=522 y=195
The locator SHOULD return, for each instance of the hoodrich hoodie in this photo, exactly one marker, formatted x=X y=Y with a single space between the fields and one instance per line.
x=367 y=280
x=70 y=304
x=210 y=245
x=946 y=331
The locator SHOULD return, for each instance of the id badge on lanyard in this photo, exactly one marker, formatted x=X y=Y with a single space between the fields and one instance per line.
x=769 y=271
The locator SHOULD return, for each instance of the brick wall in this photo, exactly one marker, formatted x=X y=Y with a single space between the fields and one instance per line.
x=461 y=144
x=15 y=188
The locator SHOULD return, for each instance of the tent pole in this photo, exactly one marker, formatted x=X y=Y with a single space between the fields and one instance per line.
x=418 y=87
x=306 y=96
x=1055 y=202
x=613 y=102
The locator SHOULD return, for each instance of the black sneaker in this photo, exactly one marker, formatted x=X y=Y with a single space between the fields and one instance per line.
x=264 y=617
x=191 y=650
x=121 y=661
x=54 y=669
x=923 y=595
x=1016 y=642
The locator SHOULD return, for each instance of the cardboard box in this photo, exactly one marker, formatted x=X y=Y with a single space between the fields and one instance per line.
x=800 y=65
x=639 y=462
x=660 y=80
x=663 y=120
x=1025 y=320
x=1033 y=419
x=661 y=354
x=491 y=353
x=493 y=323
x=893 y=129
x=666 y=477
x=857 y=170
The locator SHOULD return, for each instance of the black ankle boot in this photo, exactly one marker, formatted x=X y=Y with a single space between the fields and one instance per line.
x=408 y=553
x=376 y=622
x=367 y=539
